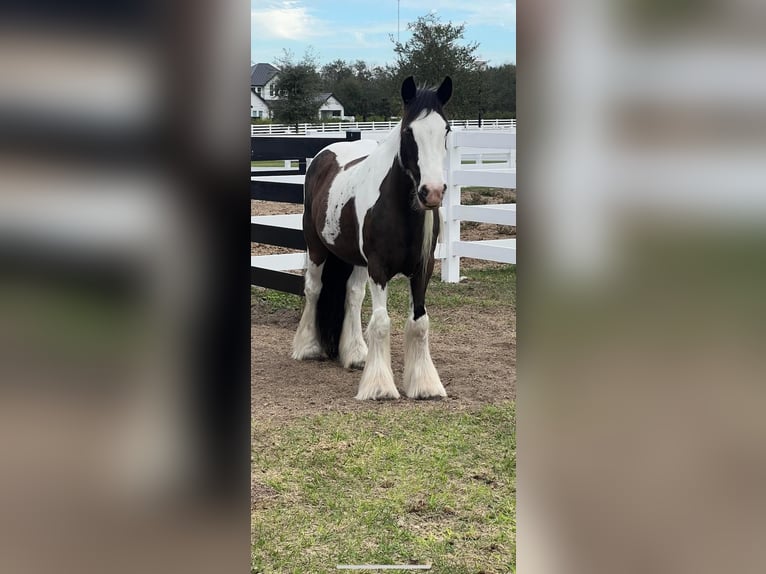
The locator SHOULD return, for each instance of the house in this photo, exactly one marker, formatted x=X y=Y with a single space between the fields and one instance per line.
x=263 y=79
x=259 y=108
x=330 y=107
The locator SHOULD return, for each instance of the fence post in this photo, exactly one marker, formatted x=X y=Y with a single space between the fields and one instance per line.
x=451 y=232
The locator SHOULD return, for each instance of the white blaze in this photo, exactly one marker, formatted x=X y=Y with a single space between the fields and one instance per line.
x=430 y=136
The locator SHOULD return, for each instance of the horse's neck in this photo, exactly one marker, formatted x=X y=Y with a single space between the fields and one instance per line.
x=373 y=170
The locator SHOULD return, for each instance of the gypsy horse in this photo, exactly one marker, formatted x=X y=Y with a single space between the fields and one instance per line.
x=370 y=213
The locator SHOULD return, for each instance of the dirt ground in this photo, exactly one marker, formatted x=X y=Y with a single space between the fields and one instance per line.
x=475 y=354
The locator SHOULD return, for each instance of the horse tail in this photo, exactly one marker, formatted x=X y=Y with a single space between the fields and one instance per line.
x=331 y=306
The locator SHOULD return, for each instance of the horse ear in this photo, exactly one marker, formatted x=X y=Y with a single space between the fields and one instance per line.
x=408 y=90
x=444 y=93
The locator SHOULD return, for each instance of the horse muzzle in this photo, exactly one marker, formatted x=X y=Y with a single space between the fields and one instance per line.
x=431 y=196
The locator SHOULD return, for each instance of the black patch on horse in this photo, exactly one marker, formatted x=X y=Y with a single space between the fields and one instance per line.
x=331 y=306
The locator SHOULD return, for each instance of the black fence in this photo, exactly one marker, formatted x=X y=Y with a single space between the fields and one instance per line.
x=270 y=148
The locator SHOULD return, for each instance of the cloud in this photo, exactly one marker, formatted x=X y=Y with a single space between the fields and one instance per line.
x=502 y=14
x=286 y=20
x=475 y=12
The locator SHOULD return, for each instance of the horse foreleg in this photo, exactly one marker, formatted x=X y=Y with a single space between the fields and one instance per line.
x=377 y=378
x=306 y=343
x=421 y=380
x=353 y=349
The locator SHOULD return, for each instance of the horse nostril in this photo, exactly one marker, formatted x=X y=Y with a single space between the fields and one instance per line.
x=444 y=188
x=422 y=194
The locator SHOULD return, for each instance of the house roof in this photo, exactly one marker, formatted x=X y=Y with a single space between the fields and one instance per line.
x=323 y=97
x=261 y=73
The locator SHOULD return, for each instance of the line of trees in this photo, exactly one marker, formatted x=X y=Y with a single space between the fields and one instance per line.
x=434 y=50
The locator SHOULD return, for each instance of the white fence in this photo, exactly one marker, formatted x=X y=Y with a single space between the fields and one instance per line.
x=338 y=127
x=478 y=146
x=497 y=147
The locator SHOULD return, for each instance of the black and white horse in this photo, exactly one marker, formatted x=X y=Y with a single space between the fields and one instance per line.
x=370 y=213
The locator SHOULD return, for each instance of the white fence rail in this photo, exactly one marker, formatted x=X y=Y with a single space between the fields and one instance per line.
x=338 y=127
x=496 y=147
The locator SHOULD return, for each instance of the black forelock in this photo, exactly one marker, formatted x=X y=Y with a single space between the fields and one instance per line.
x=426 y=100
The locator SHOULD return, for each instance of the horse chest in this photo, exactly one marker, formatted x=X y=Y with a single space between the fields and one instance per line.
x=392 y=238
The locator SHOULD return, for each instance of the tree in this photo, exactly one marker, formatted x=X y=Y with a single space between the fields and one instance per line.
x=364 y=91
x=298 y=85
x=336 y=71
x=500 y=91
x=434 y=51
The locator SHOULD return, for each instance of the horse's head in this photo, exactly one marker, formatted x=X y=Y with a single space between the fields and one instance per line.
x=423 y=145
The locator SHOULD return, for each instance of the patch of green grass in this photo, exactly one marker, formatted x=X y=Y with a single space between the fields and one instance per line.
x=274 y=300
x=72 y=321
x=492 y=288
x=386 y=487
x=272 y=163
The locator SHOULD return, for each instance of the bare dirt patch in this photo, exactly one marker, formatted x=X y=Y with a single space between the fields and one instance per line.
x=474 y=351
x=475 y=356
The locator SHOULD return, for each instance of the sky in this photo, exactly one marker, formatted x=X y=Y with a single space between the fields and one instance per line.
x=360 y=29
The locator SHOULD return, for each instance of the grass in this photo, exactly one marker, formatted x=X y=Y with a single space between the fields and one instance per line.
x=71 y=321
x=491 y=288
x=275 y=300
x=272 y=163
x=386 y=487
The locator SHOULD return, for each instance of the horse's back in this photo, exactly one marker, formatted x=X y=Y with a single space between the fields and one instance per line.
x=347 y=152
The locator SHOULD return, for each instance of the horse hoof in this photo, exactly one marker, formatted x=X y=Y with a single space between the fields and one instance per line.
x=379 y=394
x=357 y=366
x=310 y=354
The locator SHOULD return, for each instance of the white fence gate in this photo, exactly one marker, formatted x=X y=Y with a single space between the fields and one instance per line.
x=479 y=147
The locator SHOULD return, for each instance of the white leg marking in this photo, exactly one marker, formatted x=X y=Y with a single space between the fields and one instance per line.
x=421 y=381
x=377 y=378
x=306 y=341
x=353 y=349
